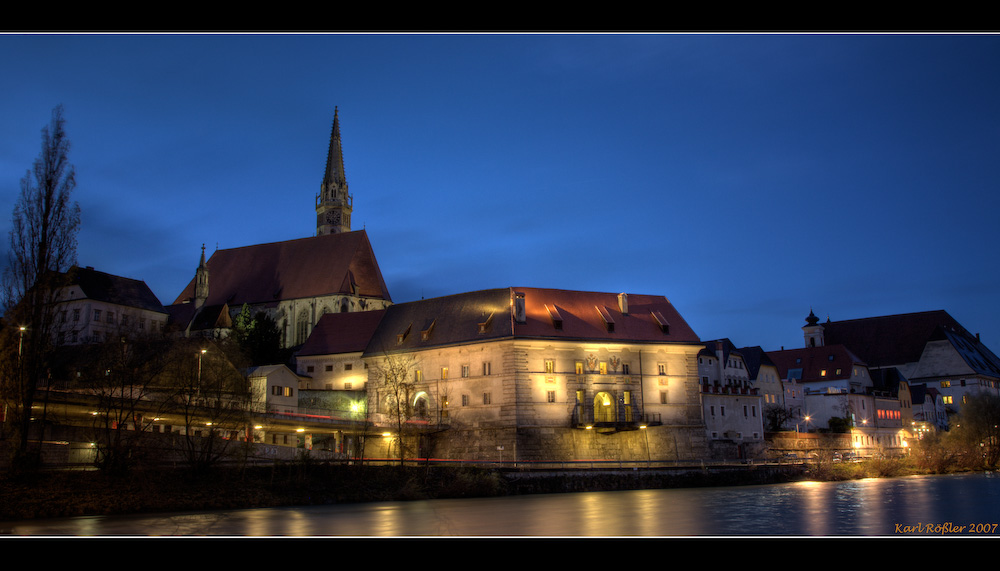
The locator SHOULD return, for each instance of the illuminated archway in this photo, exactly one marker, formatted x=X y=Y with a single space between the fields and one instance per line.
x=604 y=407
x=421 y=405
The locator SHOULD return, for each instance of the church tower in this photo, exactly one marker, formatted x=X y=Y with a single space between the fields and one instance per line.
x=333 y=204
x=201 y=281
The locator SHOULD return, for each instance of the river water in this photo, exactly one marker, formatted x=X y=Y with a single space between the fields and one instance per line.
x=956 y=505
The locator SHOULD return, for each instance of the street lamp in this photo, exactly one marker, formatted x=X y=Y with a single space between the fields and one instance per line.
x=20 y=340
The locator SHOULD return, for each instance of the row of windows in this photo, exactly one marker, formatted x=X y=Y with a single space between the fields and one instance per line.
x=748 y=411
x=108 y=317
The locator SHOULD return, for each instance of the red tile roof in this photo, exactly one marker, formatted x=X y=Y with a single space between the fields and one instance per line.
x=595 y=315
x=294 y=269
x=814 y=360
x=342 y=333
x=891 y=339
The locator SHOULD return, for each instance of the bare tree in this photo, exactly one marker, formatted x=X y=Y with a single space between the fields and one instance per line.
x=42 y=247
x=394 y=374
x=210 y=391
x=122 y=376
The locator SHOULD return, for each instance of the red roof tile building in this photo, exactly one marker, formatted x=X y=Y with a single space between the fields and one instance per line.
x=527 y=373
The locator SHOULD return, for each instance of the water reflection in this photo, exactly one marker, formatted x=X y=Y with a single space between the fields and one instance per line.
x=864 y=507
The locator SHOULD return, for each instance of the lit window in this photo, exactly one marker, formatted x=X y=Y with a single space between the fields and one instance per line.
x=662 y=368
x=550 y=366
x=604 y=368
x=579 y=367
x=444 y=373
x=465 y=370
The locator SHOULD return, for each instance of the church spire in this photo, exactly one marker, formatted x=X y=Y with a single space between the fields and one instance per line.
x=201 y=281
x=333 y=205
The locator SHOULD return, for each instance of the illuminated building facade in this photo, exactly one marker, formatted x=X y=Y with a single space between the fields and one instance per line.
x=527 y=374
x=731 y=404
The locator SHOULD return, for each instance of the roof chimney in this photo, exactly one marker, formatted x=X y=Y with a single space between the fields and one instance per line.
x=518 y=308
x=623 y=303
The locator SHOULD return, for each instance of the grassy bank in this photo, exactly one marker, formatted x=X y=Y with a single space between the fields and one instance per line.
x=78 y=493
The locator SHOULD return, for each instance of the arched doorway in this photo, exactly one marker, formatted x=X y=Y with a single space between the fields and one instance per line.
x=604 y=407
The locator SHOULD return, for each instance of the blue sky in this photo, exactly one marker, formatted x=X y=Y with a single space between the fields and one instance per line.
x=747 y=177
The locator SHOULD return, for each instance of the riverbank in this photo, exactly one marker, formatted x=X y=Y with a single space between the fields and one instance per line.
x=79 y=493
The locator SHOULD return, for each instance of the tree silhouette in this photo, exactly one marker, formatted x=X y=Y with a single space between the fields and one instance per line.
x=42 y=248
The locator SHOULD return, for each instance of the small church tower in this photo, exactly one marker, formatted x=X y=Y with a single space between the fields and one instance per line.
x=813 y=331
x=333 y=204
x=201 y=281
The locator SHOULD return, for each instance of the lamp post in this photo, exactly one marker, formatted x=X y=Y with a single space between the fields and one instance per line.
x=20 y=341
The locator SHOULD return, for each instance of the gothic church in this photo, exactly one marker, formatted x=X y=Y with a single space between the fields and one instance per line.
x=285 y=279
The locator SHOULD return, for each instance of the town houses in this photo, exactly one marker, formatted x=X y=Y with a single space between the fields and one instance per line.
x=529 y=374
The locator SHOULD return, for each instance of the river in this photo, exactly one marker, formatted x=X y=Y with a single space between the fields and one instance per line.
x=954 y=505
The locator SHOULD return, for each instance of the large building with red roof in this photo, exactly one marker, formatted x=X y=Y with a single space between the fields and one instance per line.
x=526 y=373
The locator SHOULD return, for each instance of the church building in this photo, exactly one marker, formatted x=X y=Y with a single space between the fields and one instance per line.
x=296 y=281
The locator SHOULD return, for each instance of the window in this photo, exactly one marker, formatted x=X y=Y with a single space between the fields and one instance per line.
x=822 y=373
x=945 y=384
x=97 y=315
x=711 y=410
x=309 y=369
x=550 y=366
x=76 y=315
x=329 y=368
x=661 y=368
x=946 y=399
x=111 y=317
x=288 y=391
x=624 y=368
x=142 y=323
x=722 y=410
x=486 y=398
x=347 y=386
x=663 y=397
x=745 y=411
x=348 y=366
x=418 y=376
x=551 y=396
x=487 y=368
x=579 y=367
x=465 y=400
x=604 y=368
x=444 y=373
x=465 y=370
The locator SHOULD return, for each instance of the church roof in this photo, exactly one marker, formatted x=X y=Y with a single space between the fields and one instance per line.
x=331 y=264
x=108 y=288
x=891 y=339
x=548 y=314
